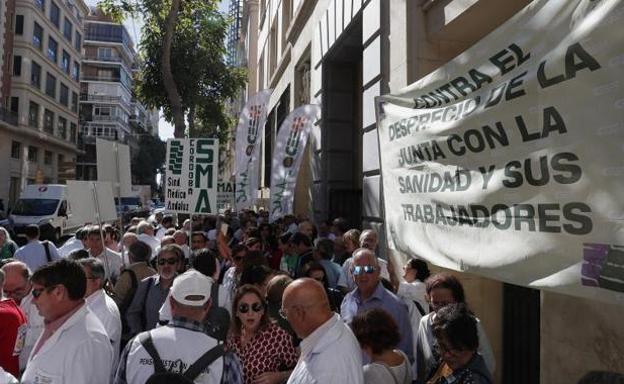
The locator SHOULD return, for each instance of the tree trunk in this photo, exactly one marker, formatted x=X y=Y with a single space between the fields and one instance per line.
x=169 y=82
x=191 y=121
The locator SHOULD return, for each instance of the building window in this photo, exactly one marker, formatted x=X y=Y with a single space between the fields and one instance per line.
x=78 y=41
x=16 y=149
x=37 y=38
x=52 y=49
x=62 y=128
x=33 y=115
x=19 y=24
x=67 y=29
x=105 y=53
x=35 y=75
x=74 y=102
x=72 y=132
x=50 y=88
x=76 y=71
x=48 y=121
x=64 y=98
x=65 y=60
x=47 y=158
x=17 y=65
x=40 y=4
x=33 y=153
x=15 y=104
x=55 y=15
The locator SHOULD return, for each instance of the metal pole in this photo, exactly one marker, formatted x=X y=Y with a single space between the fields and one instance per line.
x=120 y=215
x=107 y=267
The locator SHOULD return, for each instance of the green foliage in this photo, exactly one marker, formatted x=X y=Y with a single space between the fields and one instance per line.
x=149 y=160
x=203 y=79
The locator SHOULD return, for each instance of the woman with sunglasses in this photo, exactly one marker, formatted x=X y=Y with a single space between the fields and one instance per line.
x=265 y=350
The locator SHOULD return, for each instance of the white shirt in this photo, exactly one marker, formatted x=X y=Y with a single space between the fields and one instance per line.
x=70 y=246
x=78 y=352
x=34 y=254
x=151 y=241
x=104 y=307
x=178 y=347
x=112 y=262
x=160 y=233
x=414 y=291
x=34 y=328
x=329 y=355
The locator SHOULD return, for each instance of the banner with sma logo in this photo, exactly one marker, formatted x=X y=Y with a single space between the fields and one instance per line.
x=191 y=176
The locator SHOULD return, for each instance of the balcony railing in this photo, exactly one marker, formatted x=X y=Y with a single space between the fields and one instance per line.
x=105 y=99
x=8 y=116
x=115 y=79
x=109 y=59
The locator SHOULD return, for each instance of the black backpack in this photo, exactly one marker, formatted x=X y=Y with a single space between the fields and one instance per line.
x=218 y=319
x=162 y=376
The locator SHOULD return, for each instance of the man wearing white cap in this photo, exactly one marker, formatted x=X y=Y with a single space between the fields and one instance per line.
x=181 y=348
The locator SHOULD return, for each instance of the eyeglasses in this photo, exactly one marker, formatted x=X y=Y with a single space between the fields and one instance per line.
x=167 y=261
x=37 y=292
x=256 y=307
x=360 y=269
x=16 y=291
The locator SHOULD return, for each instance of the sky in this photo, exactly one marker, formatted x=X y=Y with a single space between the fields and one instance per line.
x=165 y=129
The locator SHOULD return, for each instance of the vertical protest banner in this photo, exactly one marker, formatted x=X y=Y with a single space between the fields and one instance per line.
x=287 y=156
x=249 y=133
x=226 y=198
x=113 y=165
x=506 y=161
x=191 y=176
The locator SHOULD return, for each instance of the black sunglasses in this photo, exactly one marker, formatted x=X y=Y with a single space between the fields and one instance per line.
x=167 y=261
x=256 y=307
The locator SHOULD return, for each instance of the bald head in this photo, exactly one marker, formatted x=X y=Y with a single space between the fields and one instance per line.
x=16 y=280
x=364 y=256
x=306 y=305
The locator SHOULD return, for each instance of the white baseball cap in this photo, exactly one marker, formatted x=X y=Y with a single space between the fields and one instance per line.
x=191 y=288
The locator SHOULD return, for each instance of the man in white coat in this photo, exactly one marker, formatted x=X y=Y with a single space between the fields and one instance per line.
x=74 y=346
x=330 y=353
x=102 y=305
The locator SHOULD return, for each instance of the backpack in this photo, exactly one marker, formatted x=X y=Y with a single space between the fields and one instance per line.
x=218 y=319
x=161 y=375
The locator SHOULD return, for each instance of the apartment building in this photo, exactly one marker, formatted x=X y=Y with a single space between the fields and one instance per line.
x=108 y=109
x=39 y=143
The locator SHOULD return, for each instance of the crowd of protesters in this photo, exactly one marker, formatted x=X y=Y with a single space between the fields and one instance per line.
x=231 y=299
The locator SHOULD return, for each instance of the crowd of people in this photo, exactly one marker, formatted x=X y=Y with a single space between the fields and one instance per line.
x=231 y=299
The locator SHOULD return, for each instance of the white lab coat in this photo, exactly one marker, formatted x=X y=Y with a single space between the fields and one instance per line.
x=104 y=307
x=78 y=352
x=34 y=328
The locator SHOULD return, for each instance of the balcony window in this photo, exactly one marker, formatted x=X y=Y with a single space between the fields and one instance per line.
x=47 y=158
x=67 y=29
x=78 y=41
x=15 y=104
x=64 y=98
x=33 y=115
x=74 y=102
x=48 y=121
x=72 y=132
x=35 y=75
x=16 y=150
x=55 y=15
x=62 y=128
x=52 y=49
x=65 y=62
x=37 y=38
x=40 y=4
x=50 y=89
x=76 y=71
x=33 y=153
x=17 y=65
x=19 y=24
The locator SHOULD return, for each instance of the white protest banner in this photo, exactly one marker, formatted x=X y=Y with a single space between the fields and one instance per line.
x=249 y=133
x=91 y=201
x=507 y=161
x=225 y=195
x=191 y=175
x=287 y=156
x=113 y=165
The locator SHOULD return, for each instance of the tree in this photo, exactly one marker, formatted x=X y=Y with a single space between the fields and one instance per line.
x=149 y=160
x=184 y=71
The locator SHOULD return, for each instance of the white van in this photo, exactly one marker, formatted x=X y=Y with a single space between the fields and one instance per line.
x=45 y=205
